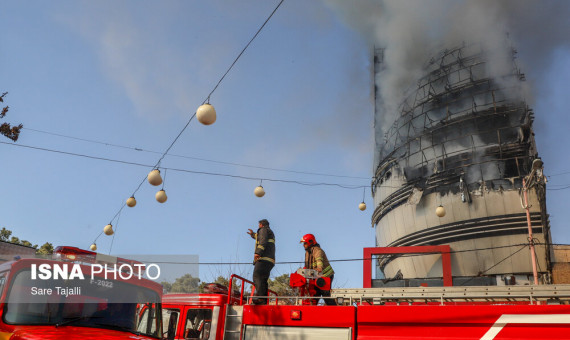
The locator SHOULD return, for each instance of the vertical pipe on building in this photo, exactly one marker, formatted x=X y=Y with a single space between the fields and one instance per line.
x=530 y=240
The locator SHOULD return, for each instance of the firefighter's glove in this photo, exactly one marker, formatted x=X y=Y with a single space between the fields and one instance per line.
x=256 y=257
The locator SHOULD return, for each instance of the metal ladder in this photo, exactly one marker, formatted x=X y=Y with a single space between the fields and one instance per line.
x=234 y=320
x=456 y=293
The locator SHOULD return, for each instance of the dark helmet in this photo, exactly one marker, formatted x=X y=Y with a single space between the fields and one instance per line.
x=264 y=222
x=309 y=239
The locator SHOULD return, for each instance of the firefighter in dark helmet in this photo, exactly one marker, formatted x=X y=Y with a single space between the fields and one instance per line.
x=263 y=259
x=315 y=258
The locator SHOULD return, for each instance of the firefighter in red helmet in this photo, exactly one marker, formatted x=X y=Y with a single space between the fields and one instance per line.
x=315 y=258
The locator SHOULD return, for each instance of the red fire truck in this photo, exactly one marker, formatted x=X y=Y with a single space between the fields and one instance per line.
x=507 y=312
x=67 y=298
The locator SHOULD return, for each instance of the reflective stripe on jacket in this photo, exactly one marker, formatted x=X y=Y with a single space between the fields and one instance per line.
x=265 y=244
x=316 y=258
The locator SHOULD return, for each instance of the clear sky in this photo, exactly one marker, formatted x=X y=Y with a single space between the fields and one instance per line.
x=132 y=73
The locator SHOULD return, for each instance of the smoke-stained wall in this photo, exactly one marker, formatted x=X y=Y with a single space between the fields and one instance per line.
x=453 y=125
x=463 y=139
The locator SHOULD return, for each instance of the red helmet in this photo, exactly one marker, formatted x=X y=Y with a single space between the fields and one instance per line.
x=310 y=239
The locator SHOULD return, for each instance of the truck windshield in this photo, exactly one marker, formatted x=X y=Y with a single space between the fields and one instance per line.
x=99 y=303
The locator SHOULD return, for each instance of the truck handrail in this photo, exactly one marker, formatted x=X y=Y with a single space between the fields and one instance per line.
x=520 y=293
x=230 y=290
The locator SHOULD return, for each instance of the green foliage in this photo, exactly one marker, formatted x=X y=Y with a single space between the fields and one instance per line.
x=6 y=236
x=184 y=284
x=220 y=279
x=45 y=249
x=11 y=132
x=280 y=285
x=166 y=286
x=27 y=244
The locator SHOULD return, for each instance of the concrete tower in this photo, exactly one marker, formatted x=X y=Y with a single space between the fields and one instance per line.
x=463 y=140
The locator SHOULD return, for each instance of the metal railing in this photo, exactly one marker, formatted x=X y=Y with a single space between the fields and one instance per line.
x=251 y=296
x=559 y=294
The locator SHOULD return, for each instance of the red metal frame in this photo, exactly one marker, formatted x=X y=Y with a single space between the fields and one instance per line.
x=269 y=291
x=444 y=250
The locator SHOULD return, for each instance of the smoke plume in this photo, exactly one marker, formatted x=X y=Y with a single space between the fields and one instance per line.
x=410 y=31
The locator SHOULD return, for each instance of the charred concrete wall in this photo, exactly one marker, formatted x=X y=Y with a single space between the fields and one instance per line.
x=463 y=140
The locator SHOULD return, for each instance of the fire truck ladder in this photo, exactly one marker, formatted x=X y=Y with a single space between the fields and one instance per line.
x=234 y=320
x=552 y=294
x=234 y=313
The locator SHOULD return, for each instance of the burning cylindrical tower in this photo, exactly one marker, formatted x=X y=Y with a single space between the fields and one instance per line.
x=463 y=140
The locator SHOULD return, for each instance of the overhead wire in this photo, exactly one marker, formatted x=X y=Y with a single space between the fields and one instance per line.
x=245 y=48
x=207 y=100
x=340 y=185
x=346 y=186
x=350 y=259
x=116 y=228
x=134 y=148
x=496 y=264
x=214 y=174
x=559 y=174
x=555 y=189
x=194 y=158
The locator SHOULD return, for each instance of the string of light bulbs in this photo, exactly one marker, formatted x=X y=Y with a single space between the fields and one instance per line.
x=206 y=114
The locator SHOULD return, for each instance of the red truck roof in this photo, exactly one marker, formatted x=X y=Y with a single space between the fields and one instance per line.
x=70 y=333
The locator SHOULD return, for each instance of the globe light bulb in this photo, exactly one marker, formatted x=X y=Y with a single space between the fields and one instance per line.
x=131 y=201
x=206 y=114
x=259 y=191
x=161 y=196
x=440 y=211
x=93 y=247
x=154 y=177
x=362 y=206
x=108 y=230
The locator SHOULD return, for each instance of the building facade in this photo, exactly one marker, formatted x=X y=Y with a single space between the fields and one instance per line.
x=463 y=140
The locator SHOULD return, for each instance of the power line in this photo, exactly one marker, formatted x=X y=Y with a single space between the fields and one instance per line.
x=193 y=158
x=344 y=186
x=245 y=48
x=352 y=259
x=134 y=148
x=496 y=264
x=563 y=188
x=340 y=185
x=470 y=250
x=559 y=174
x=207 y=100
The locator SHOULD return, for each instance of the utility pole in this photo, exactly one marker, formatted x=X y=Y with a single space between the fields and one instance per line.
x=528 y=182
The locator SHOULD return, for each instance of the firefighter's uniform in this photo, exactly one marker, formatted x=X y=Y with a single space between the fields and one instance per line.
x=316 y=258
x=265 y=248
x=265 y=244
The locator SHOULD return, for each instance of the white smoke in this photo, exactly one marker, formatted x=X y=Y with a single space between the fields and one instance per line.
x=410 y=31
